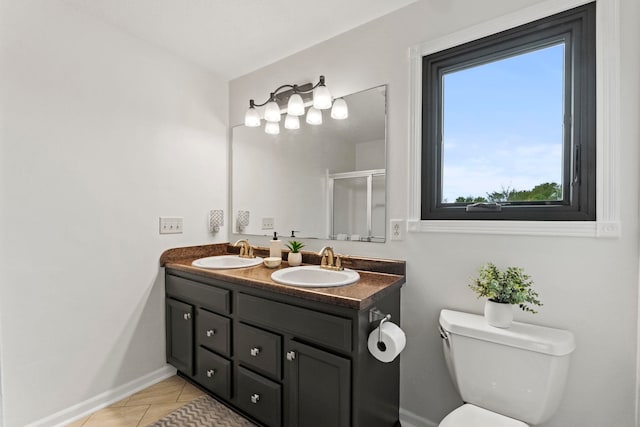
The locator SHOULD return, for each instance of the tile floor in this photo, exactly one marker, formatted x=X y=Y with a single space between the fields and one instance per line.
x=144 y=407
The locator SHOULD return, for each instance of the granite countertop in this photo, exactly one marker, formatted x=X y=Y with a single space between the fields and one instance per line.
x=377 y=276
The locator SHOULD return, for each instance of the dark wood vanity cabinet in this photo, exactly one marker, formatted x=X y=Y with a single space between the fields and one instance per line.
x=281 y=360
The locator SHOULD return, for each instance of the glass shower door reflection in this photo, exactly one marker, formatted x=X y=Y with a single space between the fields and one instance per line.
x=358 y=206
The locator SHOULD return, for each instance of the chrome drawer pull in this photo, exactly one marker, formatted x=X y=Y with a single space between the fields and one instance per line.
x=187 y=316
x=291 y=356
x=255 y=398
x=255 y=351
x=211 y=372
x=211 y=332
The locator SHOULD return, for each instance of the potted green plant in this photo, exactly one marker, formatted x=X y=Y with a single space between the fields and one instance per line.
x=503 y=289
x=294 y=257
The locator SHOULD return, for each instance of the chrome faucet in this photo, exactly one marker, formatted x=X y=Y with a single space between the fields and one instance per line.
x=330 y=261
x=246 y=250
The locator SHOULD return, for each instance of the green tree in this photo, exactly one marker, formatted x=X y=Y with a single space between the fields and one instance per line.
x=471 y=199
x=546 y=191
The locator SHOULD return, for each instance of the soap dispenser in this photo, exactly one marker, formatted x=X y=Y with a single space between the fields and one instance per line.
x=275 y=246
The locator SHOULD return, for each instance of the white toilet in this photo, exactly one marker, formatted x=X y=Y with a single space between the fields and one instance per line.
x=511 y=377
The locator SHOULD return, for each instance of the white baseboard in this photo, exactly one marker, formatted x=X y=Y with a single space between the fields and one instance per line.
x=102 y=400
x=409 y=419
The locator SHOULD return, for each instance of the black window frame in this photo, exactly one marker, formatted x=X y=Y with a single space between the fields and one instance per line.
x=577 y=29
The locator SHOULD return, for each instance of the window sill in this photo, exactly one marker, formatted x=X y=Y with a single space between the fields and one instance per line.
x=600 y=229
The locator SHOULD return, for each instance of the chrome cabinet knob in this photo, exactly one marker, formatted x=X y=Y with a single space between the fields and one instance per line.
x=211 y=332
x=255 y=351
x=211 y=372
x=291 y=356
x=187 y=316
x=255 y=398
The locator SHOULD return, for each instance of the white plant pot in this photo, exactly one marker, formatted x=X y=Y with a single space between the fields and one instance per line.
x=498 y=314
x=294 y=259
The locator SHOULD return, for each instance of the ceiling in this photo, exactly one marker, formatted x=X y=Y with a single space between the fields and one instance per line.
x=234 y=37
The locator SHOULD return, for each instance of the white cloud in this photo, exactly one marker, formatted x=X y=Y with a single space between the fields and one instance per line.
x=515 y=163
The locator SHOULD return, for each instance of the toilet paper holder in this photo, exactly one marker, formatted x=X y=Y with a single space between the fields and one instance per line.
x=374 y=316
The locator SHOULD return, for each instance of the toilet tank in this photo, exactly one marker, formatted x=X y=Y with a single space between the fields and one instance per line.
x=519 y=372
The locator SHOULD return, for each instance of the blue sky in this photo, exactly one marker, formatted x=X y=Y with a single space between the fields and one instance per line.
x=503 y=124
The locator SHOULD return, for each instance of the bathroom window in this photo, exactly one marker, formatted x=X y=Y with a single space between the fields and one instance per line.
x=508 y=124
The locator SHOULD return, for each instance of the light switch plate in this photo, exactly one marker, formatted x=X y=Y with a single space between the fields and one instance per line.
x=267 y=223
x=170 y=225
x=398 y=228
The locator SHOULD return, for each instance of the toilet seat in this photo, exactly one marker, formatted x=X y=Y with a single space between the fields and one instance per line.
x=473 y=416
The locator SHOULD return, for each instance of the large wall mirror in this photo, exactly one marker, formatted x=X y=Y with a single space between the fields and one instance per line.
x=325 y=181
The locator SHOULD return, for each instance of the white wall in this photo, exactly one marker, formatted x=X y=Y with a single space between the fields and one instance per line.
x=588 y=285
x=101 y=134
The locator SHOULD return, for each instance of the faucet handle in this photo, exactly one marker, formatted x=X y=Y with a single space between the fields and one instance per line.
x=338 y=263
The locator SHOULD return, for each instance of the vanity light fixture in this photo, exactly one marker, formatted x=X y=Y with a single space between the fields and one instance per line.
x=314 y=116
x=272 y=128
x=340 y=111
x=292 y=96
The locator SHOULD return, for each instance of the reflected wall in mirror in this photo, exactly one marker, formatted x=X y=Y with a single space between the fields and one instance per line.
x=326 y=181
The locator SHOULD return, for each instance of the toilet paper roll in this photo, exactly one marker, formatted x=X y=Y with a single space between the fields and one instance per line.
x=392 y=342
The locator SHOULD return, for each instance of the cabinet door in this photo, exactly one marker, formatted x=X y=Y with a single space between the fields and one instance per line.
x=319 y=387
x=180 y=335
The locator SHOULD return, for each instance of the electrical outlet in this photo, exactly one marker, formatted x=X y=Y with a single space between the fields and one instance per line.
x=398 y=228
x=267 y=223
x=170 y=225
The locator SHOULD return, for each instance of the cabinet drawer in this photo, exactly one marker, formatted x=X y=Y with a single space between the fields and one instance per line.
x=325 y=329
x=213 y=332
x=215 y=299
x=213 y=372
x=259 y=397
x=259 y=349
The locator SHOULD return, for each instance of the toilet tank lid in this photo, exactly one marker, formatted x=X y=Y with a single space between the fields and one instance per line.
x=541 y=339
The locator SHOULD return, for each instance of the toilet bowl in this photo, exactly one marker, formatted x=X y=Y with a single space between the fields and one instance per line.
x=469 y=415
x=486 y=366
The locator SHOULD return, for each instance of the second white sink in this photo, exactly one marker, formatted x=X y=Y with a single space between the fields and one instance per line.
x=222 y=262
x=312 y=276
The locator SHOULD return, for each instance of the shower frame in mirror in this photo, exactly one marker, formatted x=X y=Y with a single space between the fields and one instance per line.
x=282 y=179
x=374 y=230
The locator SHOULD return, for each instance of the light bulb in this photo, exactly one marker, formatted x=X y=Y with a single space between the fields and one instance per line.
x=272 y=112
x=272 y=128
x=314 y=116
x=252 y=118
x=339 y=111
x=321 y=97
x=295 y=106
x=291 y=122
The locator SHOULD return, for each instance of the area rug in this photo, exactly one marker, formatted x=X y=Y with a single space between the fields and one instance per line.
x=203 y=412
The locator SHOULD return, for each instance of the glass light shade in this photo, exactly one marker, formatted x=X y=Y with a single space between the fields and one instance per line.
x=321 y=98
x=339 y=111
x=314 y=116
x=272 y=128
x=272 y=112
x=291 y=122
x=252 y=118
x=295 y=106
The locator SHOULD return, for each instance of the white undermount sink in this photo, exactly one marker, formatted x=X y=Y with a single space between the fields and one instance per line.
x=312 y=276
x=221 y=262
